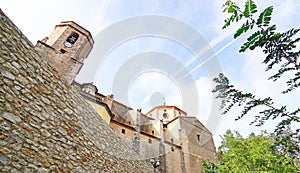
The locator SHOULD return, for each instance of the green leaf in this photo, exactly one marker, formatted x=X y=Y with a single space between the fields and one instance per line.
x=242 y=29
x=231 y=8
x=265 y=17
x=254 y=38
x=228 y=21
x=250 y=8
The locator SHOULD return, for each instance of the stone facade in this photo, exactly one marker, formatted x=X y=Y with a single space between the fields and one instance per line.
x=45 y=125
x=179 y=141
x=50 y=123
x=66 y=48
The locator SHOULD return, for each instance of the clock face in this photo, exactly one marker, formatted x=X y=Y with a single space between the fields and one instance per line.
x=67 y=44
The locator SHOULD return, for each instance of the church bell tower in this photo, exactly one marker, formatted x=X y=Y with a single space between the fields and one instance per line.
x=66 y=48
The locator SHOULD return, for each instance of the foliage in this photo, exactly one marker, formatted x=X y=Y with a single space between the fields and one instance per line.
x=280 y=48
x=281 y=52
x=278 y=152
x=252 y=154
x=288 y=143
x=231 y=96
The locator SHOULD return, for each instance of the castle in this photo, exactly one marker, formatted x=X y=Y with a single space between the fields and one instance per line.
x=166 y=135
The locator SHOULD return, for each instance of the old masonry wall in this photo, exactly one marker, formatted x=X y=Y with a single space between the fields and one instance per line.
x=45 y=125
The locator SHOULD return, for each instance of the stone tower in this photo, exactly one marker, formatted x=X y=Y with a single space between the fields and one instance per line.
x=66 y=48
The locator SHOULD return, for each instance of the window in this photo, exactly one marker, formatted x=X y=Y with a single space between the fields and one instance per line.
x=172 y=140
x=71 y=39
x=152 y=132
x=172 y=149
x=150 y=141
x=123 y=131
x=62 y=51
x=198 y=137
x=165 y=114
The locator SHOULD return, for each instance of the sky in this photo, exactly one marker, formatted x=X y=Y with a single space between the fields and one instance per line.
x=182 y=48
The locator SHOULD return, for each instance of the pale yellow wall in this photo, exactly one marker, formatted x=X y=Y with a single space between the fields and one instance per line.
x=129 y=133
x=101 y=111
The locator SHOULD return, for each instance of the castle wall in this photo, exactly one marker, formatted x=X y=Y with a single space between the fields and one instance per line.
x=197 y=144
x=173 y=160
x=148 y=148
x=45 y=125
x=66 y=68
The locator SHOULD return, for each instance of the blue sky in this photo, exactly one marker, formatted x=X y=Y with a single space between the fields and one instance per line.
x=37 y=19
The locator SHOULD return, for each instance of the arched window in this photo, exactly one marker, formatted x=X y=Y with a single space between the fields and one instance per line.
x=71 y=39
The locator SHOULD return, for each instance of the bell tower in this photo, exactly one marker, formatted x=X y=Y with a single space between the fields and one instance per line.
x=66 y=48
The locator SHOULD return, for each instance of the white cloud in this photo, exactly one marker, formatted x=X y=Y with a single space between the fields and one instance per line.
x=148 y=83
x=204 y=87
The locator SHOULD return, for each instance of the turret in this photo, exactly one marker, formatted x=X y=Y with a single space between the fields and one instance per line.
x=66 y=48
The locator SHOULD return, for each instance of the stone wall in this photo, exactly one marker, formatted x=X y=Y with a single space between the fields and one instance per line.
x=45 y=125
x=196 y=149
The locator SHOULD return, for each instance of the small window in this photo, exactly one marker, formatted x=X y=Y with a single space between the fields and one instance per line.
x=172 y=149
x=123 y=131
x=172 y=140
x=152 y=132
x=198 y=137
x=165 y=115
x=62 y=51
x=150 y=141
